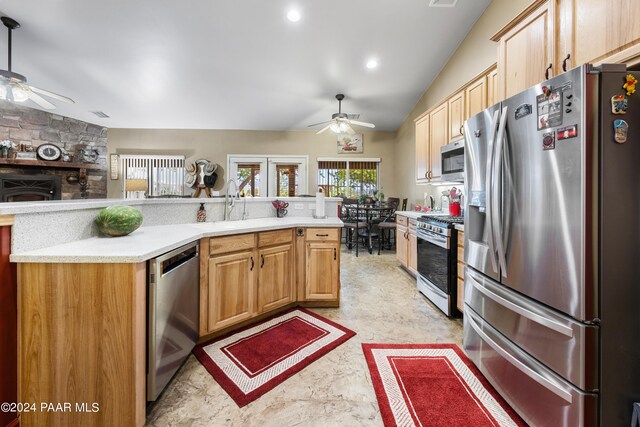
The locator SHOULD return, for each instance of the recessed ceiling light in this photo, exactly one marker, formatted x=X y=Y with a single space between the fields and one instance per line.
x=293 y=15
x=372 y=63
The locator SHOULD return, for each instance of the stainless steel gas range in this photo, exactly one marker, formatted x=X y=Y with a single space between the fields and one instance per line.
x=437 y=260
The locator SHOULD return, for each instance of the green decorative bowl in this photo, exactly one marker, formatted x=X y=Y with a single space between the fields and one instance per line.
x=118 y=220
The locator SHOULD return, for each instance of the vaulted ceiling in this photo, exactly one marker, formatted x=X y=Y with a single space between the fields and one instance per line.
x=235 y=64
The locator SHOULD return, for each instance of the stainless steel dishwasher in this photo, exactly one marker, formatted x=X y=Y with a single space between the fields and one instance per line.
x=173 y=307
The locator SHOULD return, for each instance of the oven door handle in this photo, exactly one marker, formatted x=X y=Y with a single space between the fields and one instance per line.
x=433 y=238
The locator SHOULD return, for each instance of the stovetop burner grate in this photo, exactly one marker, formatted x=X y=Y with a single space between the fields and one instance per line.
x=445 y=219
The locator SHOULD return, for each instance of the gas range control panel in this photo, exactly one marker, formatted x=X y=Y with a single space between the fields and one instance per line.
x=433 y=228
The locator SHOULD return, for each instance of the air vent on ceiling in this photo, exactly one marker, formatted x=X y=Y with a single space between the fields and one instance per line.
x=353 y=116
x=442 y=3
x=100 y=114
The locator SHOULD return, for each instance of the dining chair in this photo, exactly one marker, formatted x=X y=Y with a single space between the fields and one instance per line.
x=404 y=204
x=388 y=224
x=352 y=225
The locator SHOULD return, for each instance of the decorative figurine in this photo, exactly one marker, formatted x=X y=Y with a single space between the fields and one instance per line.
x=630 y=84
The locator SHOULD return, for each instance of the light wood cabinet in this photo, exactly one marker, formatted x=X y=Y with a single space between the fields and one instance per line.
x=492 y=88
x=460 y=295
x=476 y=97
x=230 y=291
x=422 y=149
x=456 y=116
x=275 y=278
x=526 y=49
x=406 y=244
x=598 y=31
x=438 y=137
x=323 y=271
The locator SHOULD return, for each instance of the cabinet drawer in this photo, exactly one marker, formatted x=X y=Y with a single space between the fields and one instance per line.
x=461 y=239
x=460 y=253
x=402 y=220
x=226 y=244
x=276 y=237
x=322 y=234
x=412 y=225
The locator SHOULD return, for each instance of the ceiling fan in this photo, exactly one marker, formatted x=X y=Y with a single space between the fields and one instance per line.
x=14 y=87
x=340 y=122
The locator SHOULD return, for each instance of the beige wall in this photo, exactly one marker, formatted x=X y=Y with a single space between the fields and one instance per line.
x=214 y=145
x=475 y=53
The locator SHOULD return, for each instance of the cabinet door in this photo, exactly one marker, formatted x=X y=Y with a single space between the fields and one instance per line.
x=275 y=278
x=401 y=245
x=593 y=30
x=456 y=116
x=526 y=50
x=323 y=271
x=230 y=292
x=492 y=88
x=412 y=249
x=476 y=97
x=438 y=137
x=422 y=149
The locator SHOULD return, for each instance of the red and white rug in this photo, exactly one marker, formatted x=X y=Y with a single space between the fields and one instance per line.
x=433 y=385
x=250 y=362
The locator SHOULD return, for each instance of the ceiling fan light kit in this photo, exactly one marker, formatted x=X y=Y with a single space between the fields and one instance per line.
x=14 y=87
x=340 y=122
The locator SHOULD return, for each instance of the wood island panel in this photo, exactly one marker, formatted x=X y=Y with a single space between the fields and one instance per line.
x=82 y=335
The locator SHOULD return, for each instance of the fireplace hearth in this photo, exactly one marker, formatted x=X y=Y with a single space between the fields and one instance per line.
x=23 y=188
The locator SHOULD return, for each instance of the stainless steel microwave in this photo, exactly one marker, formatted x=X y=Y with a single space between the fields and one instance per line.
x=452 y=158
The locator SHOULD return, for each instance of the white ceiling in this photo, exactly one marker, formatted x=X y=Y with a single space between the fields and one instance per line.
x=234 y=64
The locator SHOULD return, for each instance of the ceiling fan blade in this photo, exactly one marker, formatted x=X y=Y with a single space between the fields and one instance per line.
x=323 y=129
x=41 y=101
x=52 y=95
x=321 y=123
x=365 y=124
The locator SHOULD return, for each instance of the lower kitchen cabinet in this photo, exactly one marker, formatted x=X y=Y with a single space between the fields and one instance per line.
x=275 y=277
x=247 y=275
x=460 y=296
x=407 y=244
x=230 y=290
x=323 y=271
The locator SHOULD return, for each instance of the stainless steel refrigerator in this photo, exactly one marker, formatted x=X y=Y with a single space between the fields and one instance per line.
x=552 y=236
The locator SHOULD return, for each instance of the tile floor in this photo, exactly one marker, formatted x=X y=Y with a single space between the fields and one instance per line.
x=379 y=301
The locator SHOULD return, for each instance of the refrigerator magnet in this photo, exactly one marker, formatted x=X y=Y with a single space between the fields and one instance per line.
x=630 y=84
x=619 y=104
x=548 y=141
x=621 y=128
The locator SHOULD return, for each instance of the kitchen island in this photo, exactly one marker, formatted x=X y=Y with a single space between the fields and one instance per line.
x=82 y=304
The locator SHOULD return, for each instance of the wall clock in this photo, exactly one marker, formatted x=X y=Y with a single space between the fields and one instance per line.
x=49 y=152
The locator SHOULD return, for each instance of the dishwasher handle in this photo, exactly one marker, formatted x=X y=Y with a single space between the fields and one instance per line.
x=176 y=258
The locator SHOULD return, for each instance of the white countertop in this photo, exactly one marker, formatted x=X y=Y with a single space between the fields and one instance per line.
x=148 y=242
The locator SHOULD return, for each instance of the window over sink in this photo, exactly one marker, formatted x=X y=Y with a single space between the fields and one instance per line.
x=348 y=177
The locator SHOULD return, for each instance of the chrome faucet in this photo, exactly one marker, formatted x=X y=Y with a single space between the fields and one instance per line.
x=228 y=206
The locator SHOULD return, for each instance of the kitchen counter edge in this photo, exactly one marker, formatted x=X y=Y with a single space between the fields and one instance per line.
x=164 y=238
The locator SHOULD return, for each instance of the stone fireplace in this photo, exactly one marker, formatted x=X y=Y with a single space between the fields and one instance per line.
x=26 y=188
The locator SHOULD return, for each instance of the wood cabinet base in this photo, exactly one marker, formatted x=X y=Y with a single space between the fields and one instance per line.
x=82 y=341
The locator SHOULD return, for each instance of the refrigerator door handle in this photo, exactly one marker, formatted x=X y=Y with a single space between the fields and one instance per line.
x=496 y=190
x=534 y=317
x=558 y=391
x=489 y=198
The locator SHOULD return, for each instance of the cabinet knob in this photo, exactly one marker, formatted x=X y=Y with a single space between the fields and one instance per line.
x=546 y=71
x=564 y=62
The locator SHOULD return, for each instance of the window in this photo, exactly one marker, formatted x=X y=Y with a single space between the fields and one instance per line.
x=272 y=176
x=153 y=175
x=348 y=178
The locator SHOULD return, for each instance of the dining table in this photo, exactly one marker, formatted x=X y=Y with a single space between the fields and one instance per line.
x=371 y=214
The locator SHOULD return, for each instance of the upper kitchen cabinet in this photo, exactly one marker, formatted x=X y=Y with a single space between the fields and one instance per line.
x=492 y=87
x=476 y=97
x=422 y=148
x=438 y=137
x=526 y=49
x=456 y=116
x=598 y=31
